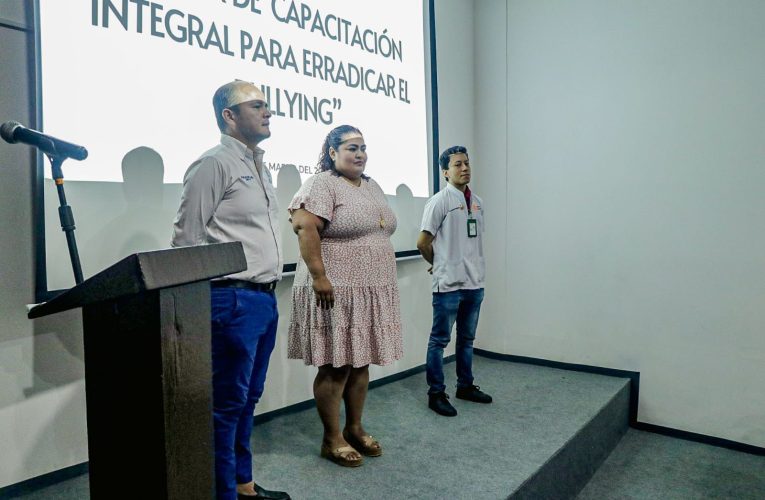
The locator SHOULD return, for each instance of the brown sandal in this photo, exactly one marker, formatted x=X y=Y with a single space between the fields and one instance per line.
x=367 y=446
x=340 y=457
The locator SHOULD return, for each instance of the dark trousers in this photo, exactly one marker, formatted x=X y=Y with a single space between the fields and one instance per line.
x=462 y=307
x=243 y=336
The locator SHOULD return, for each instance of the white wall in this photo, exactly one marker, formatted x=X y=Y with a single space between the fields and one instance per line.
x=42 y=397
x=633 y=197
x=489 y=164
x=456 y=85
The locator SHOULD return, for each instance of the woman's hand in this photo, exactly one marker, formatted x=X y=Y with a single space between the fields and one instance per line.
x=325 y=294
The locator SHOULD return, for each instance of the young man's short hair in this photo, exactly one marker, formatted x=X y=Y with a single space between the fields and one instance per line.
x=443 y=160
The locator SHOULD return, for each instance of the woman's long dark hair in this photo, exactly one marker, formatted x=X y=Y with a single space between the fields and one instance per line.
x=333 y=140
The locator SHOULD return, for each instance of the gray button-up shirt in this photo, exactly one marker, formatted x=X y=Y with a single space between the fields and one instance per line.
x=228 y=196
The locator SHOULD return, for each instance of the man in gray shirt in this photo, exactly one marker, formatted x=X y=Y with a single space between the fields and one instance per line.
x=228 y=196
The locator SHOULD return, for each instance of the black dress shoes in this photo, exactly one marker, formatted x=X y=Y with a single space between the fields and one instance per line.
x=263 y=494
x=473 y=393
x=439 y=403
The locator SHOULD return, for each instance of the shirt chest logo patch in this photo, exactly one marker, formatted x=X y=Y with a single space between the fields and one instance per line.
x=247 y=178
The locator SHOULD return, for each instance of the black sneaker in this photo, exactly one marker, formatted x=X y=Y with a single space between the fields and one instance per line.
x=439 y=403
x=263 y=494
x=473 y=393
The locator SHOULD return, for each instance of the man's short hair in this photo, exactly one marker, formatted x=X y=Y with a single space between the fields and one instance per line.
x=443 y=160
x=227 y=96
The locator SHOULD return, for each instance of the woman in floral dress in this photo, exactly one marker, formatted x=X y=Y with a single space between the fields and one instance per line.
x=345 y=301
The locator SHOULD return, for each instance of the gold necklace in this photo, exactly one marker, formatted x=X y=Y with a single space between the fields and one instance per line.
x=379 y=209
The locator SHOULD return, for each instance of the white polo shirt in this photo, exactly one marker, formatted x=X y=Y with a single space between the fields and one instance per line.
x=458 y=262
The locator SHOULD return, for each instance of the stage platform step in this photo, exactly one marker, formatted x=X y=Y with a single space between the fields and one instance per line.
x=545 y=434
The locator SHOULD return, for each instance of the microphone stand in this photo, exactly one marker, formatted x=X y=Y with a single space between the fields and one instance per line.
x=65 y=215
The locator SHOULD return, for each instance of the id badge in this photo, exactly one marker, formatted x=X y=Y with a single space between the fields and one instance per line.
x=472 y=228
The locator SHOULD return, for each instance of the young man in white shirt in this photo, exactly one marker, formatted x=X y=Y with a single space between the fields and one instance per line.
x=451 y=240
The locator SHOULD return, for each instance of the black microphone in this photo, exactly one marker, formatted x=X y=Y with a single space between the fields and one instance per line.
x=14 y=132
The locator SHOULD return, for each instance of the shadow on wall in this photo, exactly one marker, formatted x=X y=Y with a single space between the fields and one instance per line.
x=131 y=231
x=62 y=431
x=58 y=355
x=287 y=184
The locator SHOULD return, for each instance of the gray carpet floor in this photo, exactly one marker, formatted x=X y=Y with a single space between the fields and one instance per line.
x=486 y=451
x=650 y=466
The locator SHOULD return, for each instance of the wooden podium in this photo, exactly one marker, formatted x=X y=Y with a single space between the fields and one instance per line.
x=148 y=376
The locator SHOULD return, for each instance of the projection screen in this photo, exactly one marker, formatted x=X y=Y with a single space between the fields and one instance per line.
x=132 y=80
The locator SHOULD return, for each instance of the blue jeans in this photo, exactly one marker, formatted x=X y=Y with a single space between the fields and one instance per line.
x=462 y=306
x=243 y=336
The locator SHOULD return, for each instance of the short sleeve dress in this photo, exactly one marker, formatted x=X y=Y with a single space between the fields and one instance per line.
x=364 y=327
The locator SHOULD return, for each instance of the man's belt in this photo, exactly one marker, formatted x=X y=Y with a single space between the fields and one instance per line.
x=248 y=285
